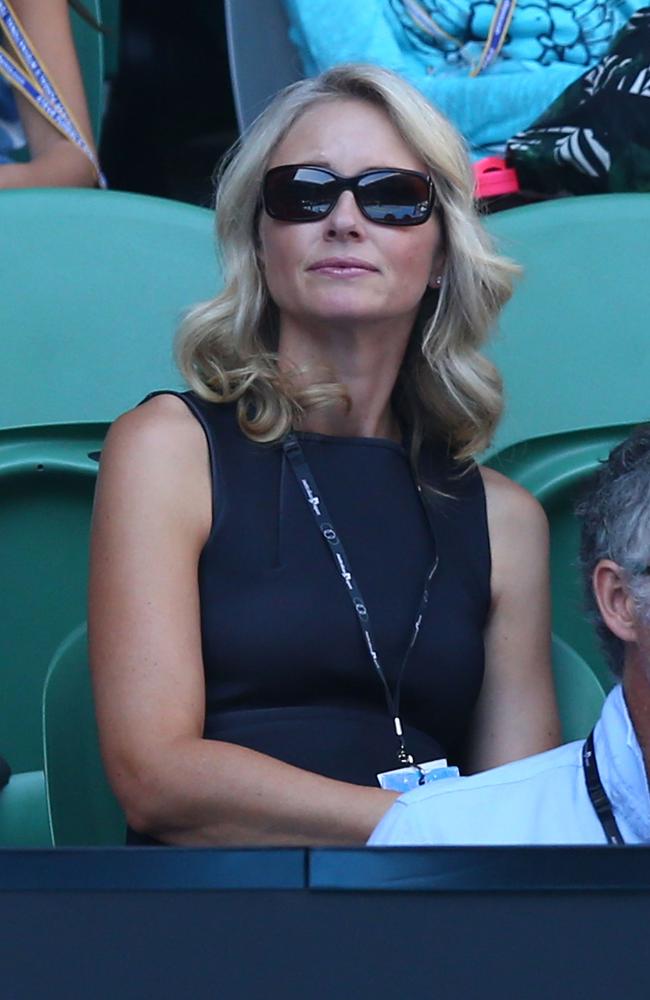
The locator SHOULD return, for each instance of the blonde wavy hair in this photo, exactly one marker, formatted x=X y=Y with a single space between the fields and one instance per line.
x=227 y=347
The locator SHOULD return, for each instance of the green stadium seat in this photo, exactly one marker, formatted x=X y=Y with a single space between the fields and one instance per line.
x=92 y=334
x=86 y=340
x=556 y=469
x=574 y=352
x=82 y=808
x=573 y=344
x=24 y=819
x=580 y=694
x=47 y=480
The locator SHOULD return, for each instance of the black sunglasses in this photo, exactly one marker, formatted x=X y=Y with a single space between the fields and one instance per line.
x=299 y=192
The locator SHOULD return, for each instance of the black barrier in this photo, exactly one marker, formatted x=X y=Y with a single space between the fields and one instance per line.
x=450 y=924
x=482 y=869
x=381 y=869
x=151 y=869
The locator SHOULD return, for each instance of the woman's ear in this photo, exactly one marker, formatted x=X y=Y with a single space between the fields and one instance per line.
x=437 y=271
x=614 y=600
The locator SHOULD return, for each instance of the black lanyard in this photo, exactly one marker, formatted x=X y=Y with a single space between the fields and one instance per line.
x=597 y=794
x=313 y=496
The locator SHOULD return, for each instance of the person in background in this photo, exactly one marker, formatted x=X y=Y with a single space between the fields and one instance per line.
x=55 y=161
x=300 y=577
x=493 y=68
x=584 y=792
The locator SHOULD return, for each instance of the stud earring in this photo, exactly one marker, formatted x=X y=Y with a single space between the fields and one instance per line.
x=438 y=281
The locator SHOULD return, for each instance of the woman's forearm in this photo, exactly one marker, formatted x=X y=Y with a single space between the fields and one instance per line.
x=63 y=165
x=206 y=792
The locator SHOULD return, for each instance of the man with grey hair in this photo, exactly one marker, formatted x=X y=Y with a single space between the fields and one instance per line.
x=589 y=792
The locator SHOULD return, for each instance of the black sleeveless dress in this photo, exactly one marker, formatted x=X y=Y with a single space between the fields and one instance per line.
x=287 y=670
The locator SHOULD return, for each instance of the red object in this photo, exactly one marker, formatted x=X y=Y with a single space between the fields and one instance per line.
x=493 y=177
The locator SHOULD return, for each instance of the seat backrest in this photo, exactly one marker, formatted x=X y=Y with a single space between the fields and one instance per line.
x=93 y=286
x=573 y=344
x=580 y=694
x=24 y=819
x=82 y=808
x=556 y=469
x=47 y=480
x=262 y=57
x=574 y=353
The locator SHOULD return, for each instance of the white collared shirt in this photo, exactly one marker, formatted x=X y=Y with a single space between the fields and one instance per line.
x=538 y=800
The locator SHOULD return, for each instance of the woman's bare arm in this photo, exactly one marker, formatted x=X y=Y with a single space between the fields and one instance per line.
x=55 y=161
x=152 y=516
x=516 y=715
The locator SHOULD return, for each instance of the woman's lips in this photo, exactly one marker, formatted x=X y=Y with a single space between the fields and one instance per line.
x=343 y=267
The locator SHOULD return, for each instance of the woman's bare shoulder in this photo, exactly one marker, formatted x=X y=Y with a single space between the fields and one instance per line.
x=510 y=504
x=161 y=431
x=158 y=451
x=163 y=419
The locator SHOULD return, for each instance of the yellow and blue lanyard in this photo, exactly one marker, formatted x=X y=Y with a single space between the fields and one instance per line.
x=26 y=73
x=497 y=34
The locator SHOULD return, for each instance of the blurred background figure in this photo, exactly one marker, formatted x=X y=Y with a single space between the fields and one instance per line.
x=55 y=160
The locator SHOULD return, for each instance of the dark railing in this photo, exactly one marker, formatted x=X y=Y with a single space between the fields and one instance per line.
x=451 y=923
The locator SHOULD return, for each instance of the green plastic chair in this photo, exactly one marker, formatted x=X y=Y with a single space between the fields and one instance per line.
x=24 y=817
x=82 y=808
x=573 y=344
x=574 y=352
x=47 y=480
x=84 y=342
x=556 y=469
x=579 y=693
x=93 y=334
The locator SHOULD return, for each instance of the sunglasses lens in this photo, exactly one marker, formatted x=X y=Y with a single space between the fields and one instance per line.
x=299 y=194
x=302 y=193
x=394 y=198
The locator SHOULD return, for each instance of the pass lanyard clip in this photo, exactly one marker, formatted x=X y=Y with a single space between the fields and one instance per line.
x=25 y=72
x=314 y=499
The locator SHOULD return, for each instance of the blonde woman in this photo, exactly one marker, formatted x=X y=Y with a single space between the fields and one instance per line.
x=300 y=578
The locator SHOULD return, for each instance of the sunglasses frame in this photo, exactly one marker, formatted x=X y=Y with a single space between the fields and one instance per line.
x=352 y=183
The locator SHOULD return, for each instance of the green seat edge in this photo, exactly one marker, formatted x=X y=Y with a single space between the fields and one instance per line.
x=24 y=814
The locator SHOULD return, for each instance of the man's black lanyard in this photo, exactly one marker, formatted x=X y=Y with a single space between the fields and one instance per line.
x=597 y=794
x=307 y=483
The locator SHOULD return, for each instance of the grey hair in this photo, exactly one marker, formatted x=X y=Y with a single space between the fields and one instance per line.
x=227 y=347
x=615 y=515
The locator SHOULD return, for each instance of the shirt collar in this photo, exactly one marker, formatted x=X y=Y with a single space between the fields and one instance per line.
x=621 y=766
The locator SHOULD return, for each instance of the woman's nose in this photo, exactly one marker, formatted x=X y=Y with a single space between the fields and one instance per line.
x=345 y=218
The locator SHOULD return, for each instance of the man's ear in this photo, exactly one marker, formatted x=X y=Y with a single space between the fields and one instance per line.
x=614 y=600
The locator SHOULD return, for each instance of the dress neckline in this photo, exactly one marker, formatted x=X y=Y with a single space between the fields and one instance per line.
x=373 y=442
